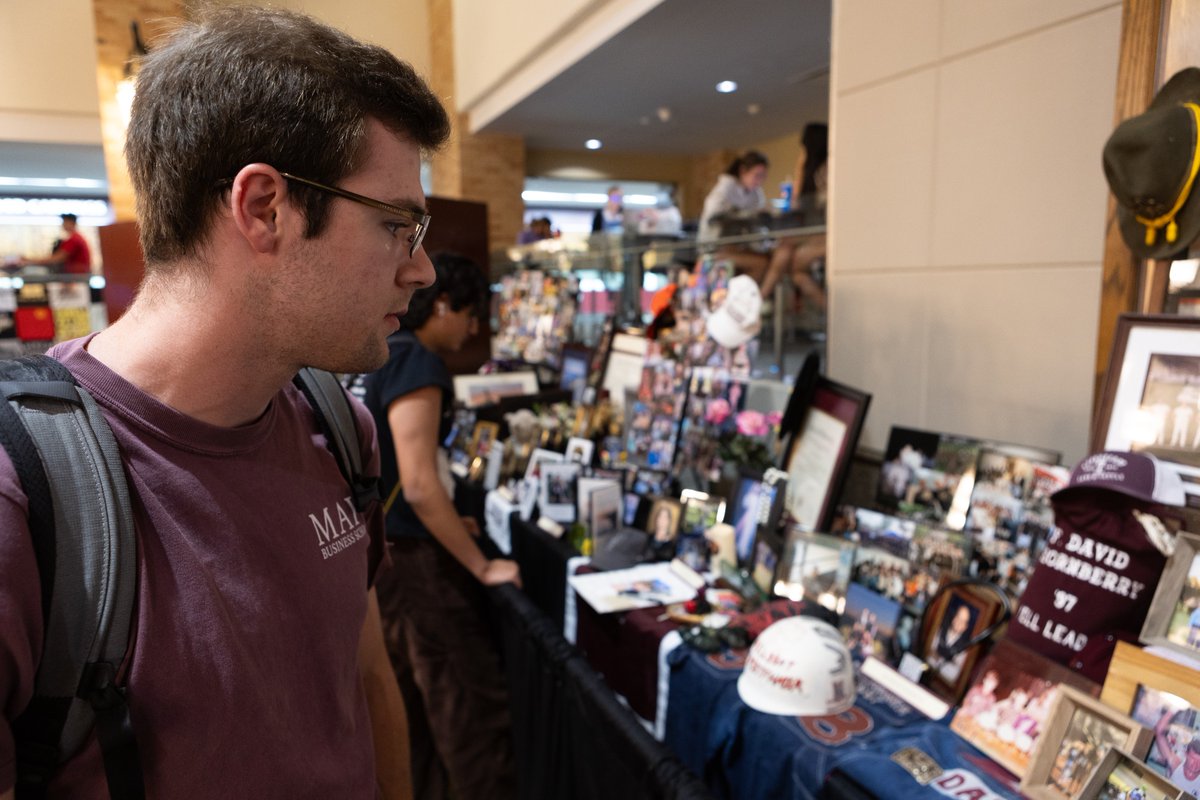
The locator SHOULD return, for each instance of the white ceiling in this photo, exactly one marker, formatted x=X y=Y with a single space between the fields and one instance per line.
x=673 y=57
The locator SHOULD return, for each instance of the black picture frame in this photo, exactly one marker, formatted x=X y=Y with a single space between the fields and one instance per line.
x=835 y=411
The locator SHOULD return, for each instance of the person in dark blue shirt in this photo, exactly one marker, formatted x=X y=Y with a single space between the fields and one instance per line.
x=431 y=597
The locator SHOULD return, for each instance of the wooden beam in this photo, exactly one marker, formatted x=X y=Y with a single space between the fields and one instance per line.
x=1137 y=81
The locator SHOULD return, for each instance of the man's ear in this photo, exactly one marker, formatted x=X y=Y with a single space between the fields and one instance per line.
x=258 y=196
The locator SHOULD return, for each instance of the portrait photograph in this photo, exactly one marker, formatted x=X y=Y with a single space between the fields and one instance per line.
x=1075 y=739
x=958 y=622
x=662 y=523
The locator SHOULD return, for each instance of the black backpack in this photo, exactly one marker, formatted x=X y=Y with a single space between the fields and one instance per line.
x=82 y=528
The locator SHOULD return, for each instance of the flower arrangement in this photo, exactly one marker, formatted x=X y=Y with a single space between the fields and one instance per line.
x=751 y=442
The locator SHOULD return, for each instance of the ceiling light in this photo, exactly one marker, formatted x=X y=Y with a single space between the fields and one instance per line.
x=725 y=87
x=593 y=144
x=664 y=113
x=753 y=109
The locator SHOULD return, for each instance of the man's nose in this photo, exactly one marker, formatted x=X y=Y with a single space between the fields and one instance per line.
x=419 y=272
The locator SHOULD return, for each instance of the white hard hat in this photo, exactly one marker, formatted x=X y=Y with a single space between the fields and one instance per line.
x=798 y=666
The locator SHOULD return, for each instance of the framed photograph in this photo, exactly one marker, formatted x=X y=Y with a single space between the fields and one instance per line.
x=927 y=476
x=579 y=450
x=1078 y=733
x=700 y=512
x=815 y=566
x=540 y=456
x=959 y=614
x=605 y=509
x=574 y=362
x=817 y=457
x=483 y=437
x=662 y=522
x=756 y=512
x=474 y=391
x=1120 y=776
x=1150 y=394
x=558 y=499
x=1173 y=621
x=1164 y=696
x=1008 y=704
x=869 y=622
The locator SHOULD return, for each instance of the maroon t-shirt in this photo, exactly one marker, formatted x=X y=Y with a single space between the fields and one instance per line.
x=1093 y=582
x=243 y=680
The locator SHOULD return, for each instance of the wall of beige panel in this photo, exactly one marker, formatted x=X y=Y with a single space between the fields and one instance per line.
x=967 y=211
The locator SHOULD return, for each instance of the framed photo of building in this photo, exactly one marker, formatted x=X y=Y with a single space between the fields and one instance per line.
x=1151 y=396
x=818 y=454
x=1077 y=735
x=474 y=391
x=1173 y=621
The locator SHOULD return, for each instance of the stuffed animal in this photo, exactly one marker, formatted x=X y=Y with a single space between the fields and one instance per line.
x=524 y=429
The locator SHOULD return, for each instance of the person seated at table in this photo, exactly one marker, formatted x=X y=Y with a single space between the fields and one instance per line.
x=796 y=255
x=431 y=598
x=738 y=193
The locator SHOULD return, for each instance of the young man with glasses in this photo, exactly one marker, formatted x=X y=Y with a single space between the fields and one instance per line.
x=276 y=165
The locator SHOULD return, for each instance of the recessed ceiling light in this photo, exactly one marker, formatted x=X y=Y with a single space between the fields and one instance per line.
x=753 y=109
x=664 y=114
x=593 y=144
x=725 y=87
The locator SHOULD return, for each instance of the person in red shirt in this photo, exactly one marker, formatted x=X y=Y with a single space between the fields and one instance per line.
x=72 y=255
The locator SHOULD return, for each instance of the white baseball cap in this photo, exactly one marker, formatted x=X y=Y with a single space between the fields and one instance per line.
x=737 y=320
x=798 y=666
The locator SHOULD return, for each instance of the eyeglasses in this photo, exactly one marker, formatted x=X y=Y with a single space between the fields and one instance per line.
x=419 y=221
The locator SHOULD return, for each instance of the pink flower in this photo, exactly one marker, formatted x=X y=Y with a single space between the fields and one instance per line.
x=752 y=423
x=773 y=418
x=717 y=411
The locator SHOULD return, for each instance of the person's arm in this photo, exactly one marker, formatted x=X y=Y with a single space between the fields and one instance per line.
x=1164 y=744
x=59 y=256
x=413 y=419
x=389 y=721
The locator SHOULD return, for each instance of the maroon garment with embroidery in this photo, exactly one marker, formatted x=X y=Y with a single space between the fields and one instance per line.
x=1093 y=582
x=244 y=678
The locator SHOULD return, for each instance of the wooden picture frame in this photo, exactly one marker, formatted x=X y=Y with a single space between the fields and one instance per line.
x=980 y=608
x=1153 y=358
x=817 y=457
x=1074 y=740
x=1118 y=769
x=1173 y=620
x=475 y=391
x=485 y=435
x=1009 y=701
x=1132 y=667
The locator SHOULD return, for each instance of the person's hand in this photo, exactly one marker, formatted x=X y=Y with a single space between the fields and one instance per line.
x=472 y=526
x=501 y=570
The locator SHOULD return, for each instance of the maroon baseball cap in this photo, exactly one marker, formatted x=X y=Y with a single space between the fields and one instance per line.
x=1139 y=475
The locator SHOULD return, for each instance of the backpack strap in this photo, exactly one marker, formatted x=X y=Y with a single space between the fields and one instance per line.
x=336 y=419
x=83 y=538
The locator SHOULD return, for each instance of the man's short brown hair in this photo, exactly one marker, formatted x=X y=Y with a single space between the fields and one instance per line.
x=242 y=85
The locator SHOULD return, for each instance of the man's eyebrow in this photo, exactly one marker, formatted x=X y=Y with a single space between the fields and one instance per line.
x=408 y=204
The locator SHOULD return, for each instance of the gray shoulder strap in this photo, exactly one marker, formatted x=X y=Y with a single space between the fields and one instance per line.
x=94 y=562
x=336 y=417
